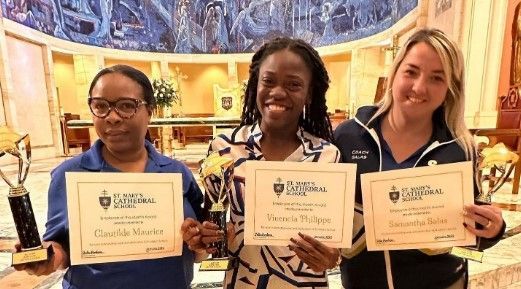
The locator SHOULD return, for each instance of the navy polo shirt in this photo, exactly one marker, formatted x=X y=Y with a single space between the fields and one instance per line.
x=170 y=272
x=388 y=161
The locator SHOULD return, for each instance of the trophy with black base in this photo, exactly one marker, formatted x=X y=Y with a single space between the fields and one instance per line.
x=494 y=167
x=217 y=177
x=31 y=246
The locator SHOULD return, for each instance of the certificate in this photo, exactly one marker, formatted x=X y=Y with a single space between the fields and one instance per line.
x=285 y=198
x=418 y=208
x=117 y=217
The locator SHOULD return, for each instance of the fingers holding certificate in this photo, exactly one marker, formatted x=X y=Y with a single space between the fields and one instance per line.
x=418 y=208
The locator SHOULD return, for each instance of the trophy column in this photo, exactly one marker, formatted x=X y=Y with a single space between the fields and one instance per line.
x=24 y=220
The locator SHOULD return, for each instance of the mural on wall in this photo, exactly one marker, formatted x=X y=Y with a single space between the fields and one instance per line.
x=205 y=26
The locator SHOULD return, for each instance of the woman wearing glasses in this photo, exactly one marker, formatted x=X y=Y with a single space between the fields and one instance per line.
x=121 y=101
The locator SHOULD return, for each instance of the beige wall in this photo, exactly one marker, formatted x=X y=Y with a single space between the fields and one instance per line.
x=243 y=71
x=482 y=46
x=448 y=21
x=65 y=82
x=367 y=66
x=143 y=66
x=197 y=88
x=337 y=67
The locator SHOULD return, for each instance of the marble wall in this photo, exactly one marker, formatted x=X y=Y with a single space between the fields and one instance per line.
x=30 y=100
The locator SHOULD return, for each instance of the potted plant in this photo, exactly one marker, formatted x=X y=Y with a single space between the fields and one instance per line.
x=165 y=94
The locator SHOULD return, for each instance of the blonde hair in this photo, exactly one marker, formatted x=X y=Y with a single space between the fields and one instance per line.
x=453 y=67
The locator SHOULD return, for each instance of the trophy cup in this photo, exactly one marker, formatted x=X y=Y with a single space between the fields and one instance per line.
x=31 y=245
x=494 y=167
x=499 y=161
x=217 y=177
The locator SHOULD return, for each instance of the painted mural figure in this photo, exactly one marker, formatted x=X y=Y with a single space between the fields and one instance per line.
x=277 y=8
x=247 y=26
x=325 y=16
x=214 y=30
x=365 y=14
x=183 y=43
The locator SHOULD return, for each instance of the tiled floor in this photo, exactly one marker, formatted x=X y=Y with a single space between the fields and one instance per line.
x=501 y=267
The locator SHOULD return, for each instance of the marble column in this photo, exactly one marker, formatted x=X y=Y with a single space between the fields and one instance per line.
x=367 y=65
x=482 y=45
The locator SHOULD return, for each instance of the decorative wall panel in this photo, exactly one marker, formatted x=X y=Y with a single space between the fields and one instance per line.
x=205 y=26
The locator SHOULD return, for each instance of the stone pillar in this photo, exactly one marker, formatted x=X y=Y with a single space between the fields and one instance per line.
x=52 y=96
x=367 y=65
x=482 y=47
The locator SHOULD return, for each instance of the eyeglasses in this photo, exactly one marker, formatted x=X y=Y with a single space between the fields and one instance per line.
x=124 y=107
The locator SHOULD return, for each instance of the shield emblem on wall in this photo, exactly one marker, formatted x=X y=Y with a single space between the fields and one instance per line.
x=227 y=102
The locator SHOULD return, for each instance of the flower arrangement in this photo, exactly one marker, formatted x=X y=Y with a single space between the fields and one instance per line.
x=164 y=92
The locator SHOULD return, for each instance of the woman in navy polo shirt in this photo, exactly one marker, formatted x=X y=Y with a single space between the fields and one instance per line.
x=419 y=122
x=121 y=101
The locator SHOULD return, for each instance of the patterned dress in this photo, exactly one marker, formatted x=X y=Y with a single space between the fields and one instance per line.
x=263 y=267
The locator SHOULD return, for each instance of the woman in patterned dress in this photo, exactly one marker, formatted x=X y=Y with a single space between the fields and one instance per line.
x=284 y=118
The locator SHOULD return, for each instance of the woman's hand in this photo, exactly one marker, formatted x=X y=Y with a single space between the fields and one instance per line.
x=314 y=253
x=199 y=236
x=486 y=215
x=57 y=261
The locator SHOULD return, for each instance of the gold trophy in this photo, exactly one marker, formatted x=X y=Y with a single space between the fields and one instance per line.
x=499 y=161
x=31 y=246
x=494 y=167
x=217 y=177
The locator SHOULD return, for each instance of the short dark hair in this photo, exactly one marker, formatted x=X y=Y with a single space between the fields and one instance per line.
x=316 y=120
x=132 y=73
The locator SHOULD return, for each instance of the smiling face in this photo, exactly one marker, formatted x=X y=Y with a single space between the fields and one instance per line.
x=283 y=89
x=420 y=85
x=120 y=135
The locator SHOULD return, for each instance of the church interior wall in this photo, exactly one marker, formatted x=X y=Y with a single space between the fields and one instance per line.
x=66 y=89
x=506 y=60
x=30 y=100
x=354 y=66
x=197 y=88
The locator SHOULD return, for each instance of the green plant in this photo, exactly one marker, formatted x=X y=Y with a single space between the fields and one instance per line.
x=164 y=92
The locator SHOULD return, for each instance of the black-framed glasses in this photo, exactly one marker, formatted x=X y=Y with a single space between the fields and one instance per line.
x=124 y=107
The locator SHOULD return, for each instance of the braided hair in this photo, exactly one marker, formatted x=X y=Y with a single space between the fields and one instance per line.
x=316 y=120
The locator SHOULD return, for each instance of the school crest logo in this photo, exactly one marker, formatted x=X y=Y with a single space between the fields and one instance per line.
x=278 y=187
x=227 y=102
x=105 y=200
x=394 y=194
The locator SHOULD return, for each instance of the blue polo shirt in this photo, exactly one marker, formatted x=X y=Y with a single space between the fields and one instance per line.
x=171 y=272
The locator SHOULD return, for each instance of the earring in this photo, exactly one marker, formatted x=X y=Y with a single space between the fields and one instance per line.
x=304 y=113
